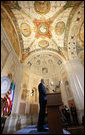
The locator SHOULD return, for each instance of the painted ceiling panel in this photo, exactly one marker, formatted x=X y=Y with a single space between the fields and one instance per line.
x=56 y=26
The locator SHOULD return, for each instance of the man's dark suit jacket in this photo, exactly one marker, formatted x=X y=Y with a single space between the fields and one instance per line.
x=42 y=92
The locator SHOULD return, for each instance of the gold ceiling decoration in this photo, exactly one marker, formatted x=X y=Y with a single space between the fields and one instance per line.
x=81 y=33
x=24 y=56
x=45 y=23
x=59 y=28
x=43 y=28
x=42 y=7
x=43 y=43
x=25 y=29
x=10 y=31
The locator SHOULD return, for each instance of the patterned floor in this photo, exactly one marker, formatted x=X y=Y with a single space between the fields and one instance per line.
x=31 y=130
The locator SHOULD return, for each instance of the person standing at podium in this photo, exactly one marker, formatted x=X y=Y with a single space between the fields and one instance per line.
x=42 y=102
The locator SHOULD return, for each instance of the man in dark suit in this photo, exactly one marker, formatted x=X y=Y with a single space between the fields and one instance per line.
x=42 y=102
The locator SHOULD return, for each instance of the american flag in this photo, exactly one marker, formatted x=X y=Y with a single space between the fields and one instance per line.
x=9 y=100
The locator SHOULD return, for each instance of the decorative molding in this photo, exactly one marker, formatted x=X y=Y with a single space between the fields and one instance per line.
x=8 y=43
x=25 y=29
x=43 y=28
x=42 y=7
x=59 y=28
x=43 y=43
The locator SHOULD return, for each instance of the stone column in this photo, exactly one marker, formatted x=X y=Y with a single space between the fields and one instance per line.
x=75 y=72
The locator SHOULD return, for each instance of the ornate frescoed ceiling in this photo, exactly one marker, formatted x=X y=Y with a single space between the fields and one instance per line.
x=56 y=26
x=44 y=64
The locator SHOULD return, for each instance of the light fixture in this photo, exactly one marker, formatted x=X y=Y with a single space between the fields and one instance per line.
x=51 y=83
x=56 y=86
x=59 y=83
x=32 y=92
x=26 y=91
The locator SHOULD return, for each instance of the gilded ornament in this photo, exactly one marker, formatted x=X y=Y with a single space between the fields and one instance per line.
x=81 y=33
x=59 y=28
x=43 y=28
x=43 y=43
x=42 y=7
x=25 y=29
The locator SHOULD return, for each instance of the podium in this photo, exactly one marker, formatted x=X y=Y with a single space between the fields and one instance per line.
x=54 y=101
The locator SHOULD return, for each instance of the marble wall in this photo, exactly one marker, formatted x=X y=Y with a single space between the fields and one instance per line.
x=11 y=65
x=75 y=74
